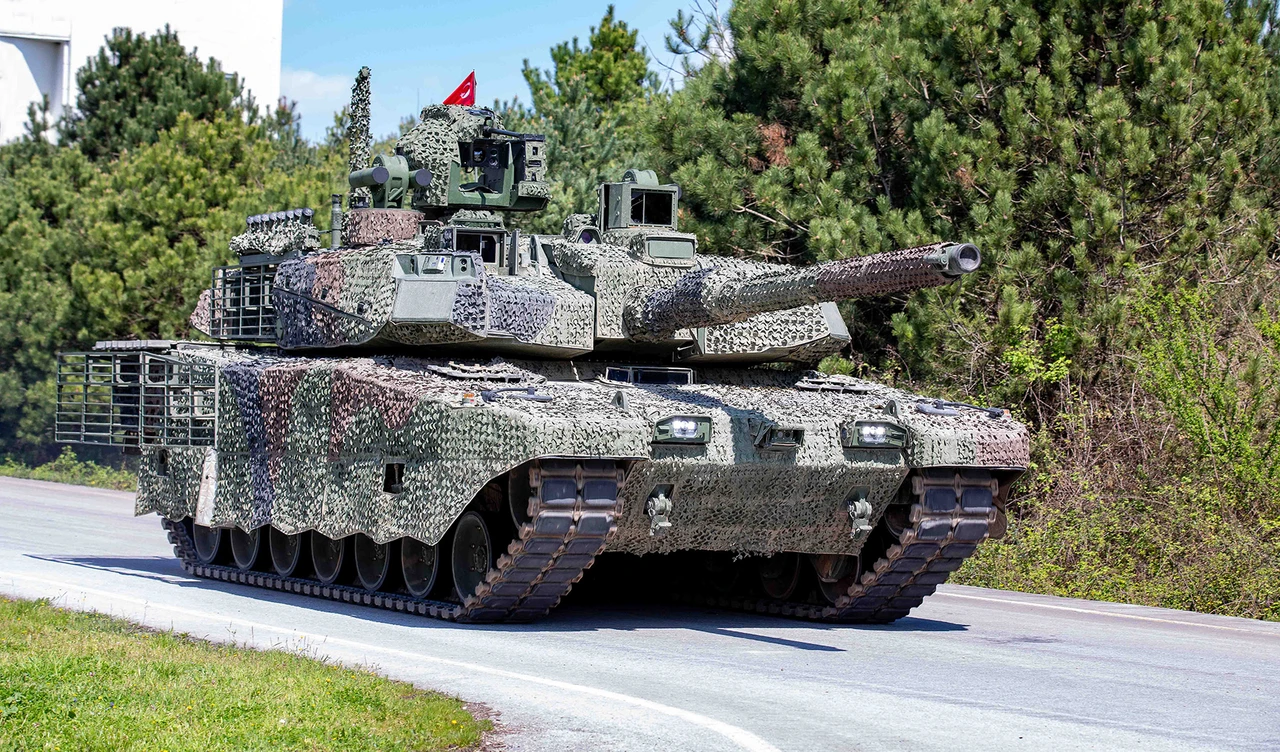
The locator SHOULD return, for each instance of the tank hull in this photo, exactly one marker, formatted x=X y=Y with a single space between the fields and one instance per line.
x=304 y=444
x=398 y=448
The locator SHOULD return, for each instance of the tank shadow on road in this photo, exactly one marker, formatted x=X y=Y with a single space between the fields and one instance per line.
x=572 y=616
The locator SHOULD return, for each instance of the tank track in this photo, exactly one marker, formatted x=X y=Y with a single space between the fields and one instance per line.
x=953 y=512
x=573 y=509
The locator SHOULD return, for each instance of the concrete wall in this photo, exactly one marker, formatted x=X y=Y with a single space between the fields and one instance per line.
x=44 y=42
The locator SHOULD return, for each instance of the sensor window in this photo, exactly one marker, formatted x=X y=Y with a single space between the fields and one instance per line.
x=484 y=243
x=652 y=207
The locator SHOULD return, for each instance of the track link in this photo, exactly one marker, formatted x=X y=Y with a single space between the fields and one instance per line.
x=573 y=509
x=952 y=513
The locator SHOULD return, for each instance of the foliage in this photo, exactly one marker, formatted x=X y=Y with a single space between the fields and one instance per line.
x=1119 y=165
x=589 y=109
x=1162 y=491
x=1107 y=513
x=138 y=86
x=1216 y=376
x=41 y=189
x=120 y=248
x=87 y=681
x=613 y=71
x=67 y=468
x=1080 y=145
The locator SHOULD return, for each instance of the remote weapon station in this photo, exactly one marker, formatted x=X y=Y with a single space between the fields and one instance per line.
x=442 y=415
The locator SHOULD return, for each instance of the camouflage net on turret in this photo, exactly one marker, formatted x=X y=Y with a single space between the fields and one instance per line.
x=346 y=297
x=358 y=146
x=278 y=238
x=374 y=226
x=724 y=295
x=574 y=224
x=433 y=144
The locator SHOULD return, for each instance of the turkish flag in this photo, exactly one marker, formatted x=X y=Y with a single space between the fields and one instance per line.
x=465 y=94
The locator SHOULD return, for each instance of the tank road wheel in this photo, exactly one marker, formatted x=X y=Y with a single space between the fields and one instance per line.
x=472 y=553
x=373 y=561
x=327 y=556
x=286 y=551
x=779 y=575
x=835 y=574
x=420 y=563
x=208 y=543
x=246 y=547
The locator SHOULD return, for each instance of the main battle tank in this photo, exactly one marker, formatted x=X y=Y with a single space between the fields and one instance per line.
x=443 y=415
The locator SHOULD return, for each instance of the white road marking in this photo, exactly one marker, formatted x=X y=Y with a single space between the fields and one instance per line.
x=1096 y=612
x=743 y=738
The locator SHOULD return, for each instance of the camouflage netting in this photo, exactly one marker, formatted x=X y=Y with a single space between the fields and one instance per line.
x=801 y=334
x=575 y=223
x=804 y=332
x=374 y=226
x=358 y=137
x=475 y=218
x=533 y=189
x=201 y=318
x=433 y=144
x=302 y=444
x=337 y=297
x=635 y=243
x=348 y=297
x=278 y=238
x=727 y=293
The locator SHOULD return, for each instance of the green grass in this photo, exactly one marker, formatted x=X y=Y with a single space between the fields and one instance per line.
x=74 y=681
x=68 y=469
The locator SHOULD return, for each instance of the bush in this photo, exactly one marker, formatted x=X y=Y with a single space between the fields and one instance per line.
x=1161 y=492
x=68 y=468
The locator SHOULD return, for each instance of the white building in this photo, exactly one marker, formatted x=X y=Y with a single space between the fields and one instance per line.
x=44 y=42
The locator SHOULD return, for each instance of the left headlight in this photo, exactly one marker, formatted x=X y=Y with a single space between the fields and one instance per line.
x=873 y=434
x=683 y=429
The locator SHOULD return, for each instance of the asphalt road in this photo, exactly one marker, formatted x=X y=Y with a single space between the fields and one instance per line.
x=972 y=669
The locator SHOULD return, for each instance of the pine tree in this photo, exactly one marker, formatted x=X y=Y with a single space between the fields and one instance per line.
x=612 y=69
x=137 y=86
x=1080 y=144
x=589 y=107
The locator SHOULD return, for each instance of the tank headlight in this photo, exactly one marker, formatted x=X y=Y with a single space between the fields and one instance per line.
x=867 y=433
x=683 y=429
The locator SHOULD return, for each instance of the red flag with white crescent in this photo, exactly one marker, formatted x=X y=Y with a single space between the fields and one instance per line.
x=465 y=94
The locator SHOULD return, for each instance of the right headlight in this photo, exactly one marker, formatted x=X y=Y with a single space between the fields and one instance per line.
x=683 y=429
x=873 y=434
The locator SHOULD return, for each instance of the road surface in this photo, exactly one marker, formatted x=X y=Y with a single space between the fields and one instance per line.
x=972 y=669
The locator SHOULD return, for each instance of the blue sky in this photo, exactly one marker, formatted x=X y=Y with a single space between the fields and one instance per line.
x=420 y=51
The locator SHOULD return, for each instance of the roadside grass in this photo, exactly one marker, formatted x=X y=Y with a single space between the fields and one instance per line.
x=67 y=468
x=75 y=681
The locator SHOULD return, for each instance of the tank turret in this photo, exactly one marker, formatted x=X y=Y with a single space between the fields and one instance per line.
x=422 y=258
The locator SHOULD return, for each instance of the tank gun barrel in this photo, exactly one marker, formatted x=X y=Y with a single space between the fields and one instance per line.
x=715 y=296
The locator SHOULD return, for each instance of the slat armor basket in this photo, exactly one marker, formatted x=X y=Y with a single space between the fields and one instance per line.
x=133 y=398
x=240 y=303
